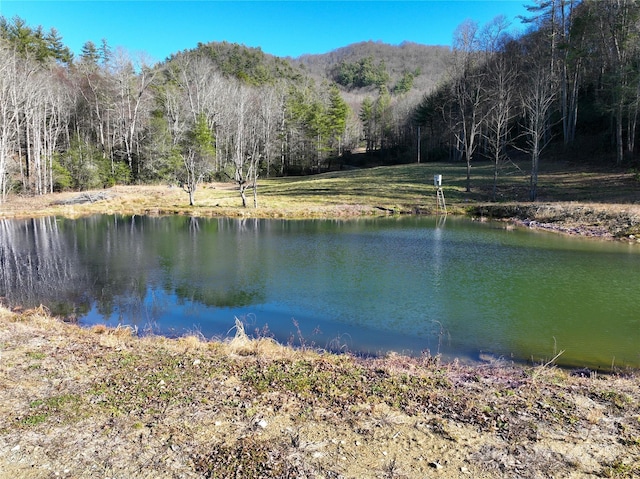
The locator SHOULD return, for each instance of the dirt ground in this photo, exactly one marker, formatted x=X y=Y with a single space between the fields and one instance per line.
x=99 y=403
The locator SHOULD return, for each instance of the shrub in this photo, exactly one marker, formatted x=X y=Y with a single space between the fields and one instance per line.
x=62 y=179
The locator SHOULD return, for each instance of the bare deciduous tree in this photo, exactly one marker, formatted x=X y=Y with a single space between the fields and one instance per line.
x=538 y=94
x=468 y=91
x=7 y=115
x=501 y=113
x=134 y=77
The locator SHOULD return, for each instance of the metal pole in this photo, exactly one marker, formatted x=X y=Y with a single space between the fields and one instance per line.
x=418 y=143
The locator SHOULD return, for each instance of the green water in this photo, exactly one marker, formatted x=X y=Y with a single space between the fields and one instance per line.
x=456 y=288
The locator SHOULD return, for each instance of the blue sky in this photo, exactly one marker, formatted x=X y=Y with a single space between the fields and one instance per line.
x=283 y=28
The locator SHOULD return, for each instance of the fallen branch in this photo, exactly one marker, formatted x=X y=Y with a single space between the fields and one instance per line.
x=83 y=198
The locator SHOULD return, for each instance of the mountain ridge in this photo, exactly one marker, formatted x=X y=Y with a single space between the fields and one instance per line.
x=431 y=62
x=423 y=63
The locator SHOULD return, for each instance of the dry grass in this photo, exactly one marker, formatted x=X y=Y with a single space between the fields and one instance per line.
x=242 y=345
x=97 y=403
x=587 y=201
x=404 y=188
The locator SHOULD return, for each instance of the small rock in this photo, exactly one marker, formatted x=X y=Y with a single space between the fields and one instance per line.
x=464 y=470
x=582 y=373
x=262 y=423
x=16 y=448
x=436 y=465
x=196 y=362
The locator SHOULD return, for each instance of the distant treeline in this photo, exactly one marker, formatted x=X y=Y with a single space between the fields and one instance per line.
x=572 y=83
x=225 y=111
x=219 y=111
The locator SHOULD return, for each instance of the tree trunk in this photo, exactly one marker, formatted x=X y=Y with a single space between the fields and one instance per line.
x=496 y=163
x=573 y=108
x=255 y=194
x=255 y=183
x=631 y=129
x=243 y=187
x=535 y=160
x=619 y=138
x=468 y=189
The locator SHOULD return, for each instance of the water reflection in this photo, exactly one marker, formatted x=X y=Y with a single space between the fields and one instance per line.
x=38 y=264
x=120 y=267
x=410 y=284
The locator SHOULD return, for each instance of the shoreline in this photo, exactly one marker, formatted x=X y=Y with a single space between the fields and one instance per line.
x=102 y=402
x=589 y=220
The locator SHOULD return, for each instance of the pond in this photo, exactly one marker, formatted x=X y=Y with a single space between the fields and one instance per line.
x=414 y=285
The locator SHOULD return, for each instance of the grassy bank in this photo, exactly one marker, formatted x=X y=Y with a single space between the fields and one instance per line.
x=602 y=202
x=97 y=403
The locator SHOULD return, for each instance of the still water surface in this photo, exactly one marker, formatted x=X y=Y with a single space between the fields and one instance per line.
x=455 y=287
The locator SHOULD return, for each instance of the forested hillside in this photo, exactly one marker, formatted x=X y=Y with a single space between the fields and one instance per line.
x=570 y=86
x=217 y=111
x=401 y=68
x=251 y=65
x=382 y=83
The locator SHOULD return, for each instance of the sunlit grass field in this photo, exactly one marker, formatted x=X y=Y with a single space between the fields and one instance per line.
x=410 y=188
x=390 y=189
x=406 y=188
